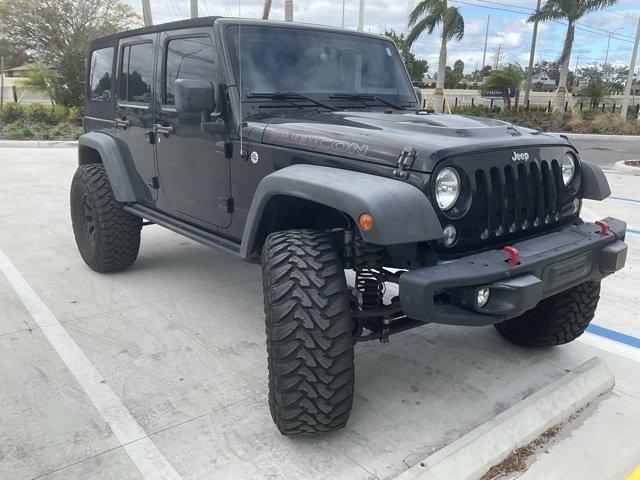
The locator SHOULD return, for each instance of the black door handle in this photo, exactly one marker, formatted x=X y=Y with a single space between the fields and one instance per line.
x=121 y=123
x=150 y=136
x=166 y=130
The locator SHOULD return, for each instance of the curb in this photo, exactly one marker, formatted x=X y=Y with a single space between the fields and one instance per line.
x=473 y=454
x=596 y=136
x=620 y=167
x=37 y=144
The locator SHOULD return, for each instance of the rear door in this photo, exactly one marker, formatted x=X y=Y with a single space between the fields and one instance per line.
x=194 y=173
x=134 y=113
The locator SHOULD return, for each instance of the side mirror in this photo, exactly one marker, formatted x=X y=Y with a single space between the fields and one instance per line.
x=418 y=93
x=195 y=96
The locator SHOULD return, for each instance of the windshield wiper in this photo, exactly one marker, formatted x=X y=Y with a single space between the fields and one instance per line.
x=361 y=96
x=287 y=96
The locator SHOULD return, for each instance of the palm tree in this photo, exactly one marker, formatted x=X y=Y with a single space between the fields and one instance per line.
x=426 y=16
x=266 y=10
x=571 y=11
x=502 y=80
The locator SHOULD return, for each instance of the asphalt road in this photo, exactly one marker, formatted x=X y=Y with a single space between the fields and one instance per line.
x=163 y=365
x=607 y=150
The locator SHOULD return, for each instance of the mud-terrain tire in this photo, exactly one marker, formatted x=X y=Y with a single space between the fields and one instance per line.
x=556 y=320
x=107 y=236
x=309 y=333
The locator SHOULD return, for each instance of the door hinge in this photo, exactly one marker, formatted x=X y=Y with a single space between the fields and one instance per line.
x=226 y=204
x=155 y=183
x=405 y=162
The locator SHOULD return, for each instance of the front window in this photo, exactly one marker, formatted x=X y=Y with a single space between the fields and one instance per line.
x=277 y=59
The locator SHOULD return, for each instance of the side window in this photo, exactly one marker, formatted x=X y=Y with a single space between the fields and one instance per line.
x=136 y=72
x=191 y=58
x=100 y=75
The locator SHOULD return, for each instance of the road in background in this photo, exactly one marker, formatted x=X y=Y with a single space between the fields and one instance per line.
x=606 y=150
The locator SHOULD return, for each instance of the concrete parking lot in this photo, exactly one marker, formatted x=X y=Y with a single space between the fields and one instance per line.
x=179 y=341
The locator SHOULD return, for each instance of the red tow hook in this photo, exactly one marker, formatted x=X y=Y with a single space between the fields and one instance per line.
x=604 y=228
x=514 y=255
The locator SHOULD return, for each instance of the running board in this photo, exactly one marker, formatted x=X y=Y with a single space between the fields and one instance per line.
x=194 y=233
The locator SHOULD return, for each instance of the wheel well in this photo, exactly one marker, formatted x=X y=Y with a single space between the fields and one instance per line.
x=88 y=155
x=284 y=212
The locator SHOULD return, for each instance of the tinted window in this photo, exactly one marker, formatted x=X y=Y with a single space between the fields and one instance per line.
x=136 y=75
x=100 y=76
x=274 y=59
x=190 y=58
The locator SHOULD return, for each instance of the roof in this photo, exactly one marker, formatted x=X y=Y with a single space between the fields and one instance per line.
x=29 y=66
x=207 y=21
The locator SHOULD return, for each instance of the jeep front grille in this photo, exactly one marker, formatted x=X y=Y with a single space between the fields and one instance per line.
x=518 y=197
x=503 y=200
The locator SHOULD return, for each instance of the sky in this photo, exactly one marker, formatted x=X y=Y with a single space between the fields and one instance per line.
x=507 y=27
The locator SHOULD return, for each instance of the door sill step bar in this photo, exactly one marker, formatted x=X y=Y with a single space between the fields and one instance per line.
x=194 y=233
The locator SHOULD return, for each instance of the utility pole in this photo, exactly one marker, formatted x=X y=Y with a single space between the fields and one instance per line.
x=486 y=39
x=194 y=8
x=343 y=2
x=1 y=82
x=632 y=67
x=498 y=56
x=361 y=16
x=532 y=54
x=288 y=10
x=146 y=13
x=576 y=81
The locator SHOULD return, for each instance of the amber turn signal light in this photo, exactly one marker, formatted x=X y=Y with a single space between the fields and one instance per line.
x=365 y=221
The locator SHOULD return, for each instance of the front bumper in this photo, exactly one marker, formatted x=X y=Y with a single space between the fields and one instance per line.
x=549 y=264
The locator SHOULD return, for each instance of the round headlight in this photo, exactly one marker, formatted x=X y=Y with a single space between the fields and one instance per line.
x=568 y=166
x=447 y=188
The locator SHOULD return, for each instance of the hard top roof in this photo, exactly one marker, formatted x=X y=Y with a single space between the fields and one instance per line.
x=207 y=21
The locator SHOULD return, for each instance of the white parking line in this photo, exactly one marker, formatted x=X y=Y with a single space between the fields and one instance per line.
x=144 y=453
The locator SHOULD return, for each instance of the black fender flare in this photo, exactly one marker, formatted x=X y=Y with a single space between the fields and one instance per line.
x=111 y=156
x=401 y=212
x=595 y=185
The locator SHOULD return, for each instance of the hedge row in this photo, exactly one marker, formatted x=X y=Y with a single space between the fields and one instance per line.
x=578 y=122
x=39 y=122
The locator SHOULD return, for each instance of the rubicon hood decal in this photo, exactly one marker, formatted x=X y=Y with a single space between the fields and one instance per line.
x=313 y=141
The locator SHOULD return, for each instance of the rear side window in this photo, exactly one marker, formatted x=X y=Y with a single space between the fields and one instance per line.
x=191 y=58
x=101 y=75
x=136 y=73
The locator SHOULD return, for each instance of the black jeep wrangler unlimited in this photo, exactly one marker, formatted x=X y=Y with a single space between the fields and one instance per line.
x=305 y=148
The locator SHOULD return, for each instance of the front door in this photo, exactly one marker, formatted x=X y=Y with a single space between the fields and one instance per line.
x=134 y=113
x=194 y=173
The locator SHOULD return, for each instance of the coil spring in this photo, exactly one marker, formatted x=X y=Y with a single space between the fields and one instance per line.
x=371 y=288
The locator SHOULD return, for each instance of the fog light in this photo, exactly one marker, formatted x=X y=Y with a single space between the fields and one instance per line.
x=450 y=235
x=482 y=296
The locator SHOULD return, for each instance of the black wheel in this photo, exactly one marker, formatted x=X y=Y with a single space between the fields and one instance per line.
x=556 y=320
x=108 y=237
x=309 y=340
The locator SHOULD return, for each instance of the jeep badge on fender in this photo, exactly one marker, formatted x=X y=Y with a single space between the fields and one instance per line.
x=475 y=221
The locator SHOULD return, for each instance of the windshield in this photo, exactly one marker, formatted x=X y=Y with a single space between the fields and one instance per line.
x=276 y=59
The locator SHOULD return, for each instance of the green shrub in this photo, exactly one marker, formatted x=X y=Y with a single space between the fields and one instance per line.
x=610 y=123
x=42 y=131
x=18 y=130
x=37 y=113
x=12 y=112
x=74 y=115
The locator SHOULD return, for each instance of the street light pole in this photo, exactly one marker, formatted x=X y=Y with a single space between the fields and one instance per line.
x=486 y=39
x=146 y=13
x=194 y=8
x=632 y=67
x=532 y=54
x=343 y=2
x=361 y=16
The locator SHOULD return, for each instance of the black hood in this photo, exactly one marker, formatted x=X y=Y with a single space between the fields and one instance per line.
x=380 y=137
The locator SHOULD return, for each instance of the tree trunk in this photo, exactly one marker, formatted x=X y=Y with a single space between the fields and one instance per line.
x=562 y=94
x=266 y=10
x=438 y=96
